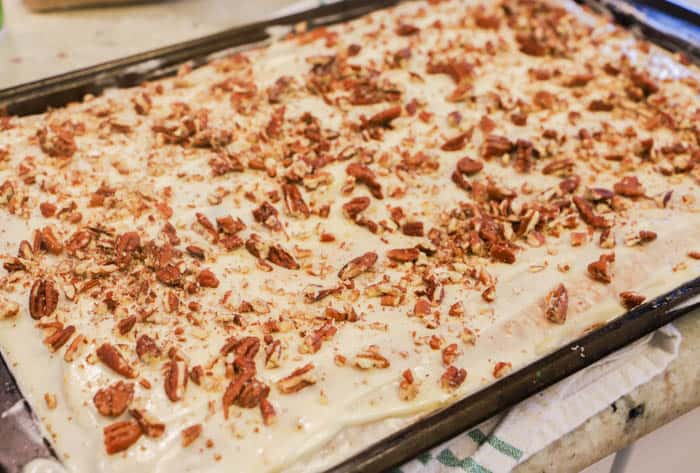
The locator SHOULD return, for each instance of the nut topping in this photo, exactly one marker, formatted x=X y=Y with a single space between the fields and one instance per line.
x=43 y=299
x=111 y=357
x=556 y=304
x=149 y=424
x=403 y=255
x=299 y=379
x=175 y=379
x=600 y=270
x=190 y=434
x=120 y=436
x=453 y=378
x=113 y=400
x=631 y=299
x=357 y=266
x=469 y=166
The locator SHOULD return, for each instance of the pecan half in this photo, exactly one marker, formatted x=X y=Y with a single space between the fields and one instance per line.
x=113 y=400
x=556 y=304
x=190 y=434
x=366 y=176
x=120 y=436
x=496 y=146
x=299 y=379
x=600 y=270
x=110 y=356
x=175 y=379
x=452 y=378
x=294 y=202
x=150 y=426
x=403 y=255
x=357 y=266
x=43 y=299
x=631 y=299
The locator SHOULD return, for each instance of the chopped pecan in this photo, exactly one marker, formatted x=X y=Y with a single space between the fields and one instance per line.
x=206 y=278
x=169 y=275
x=49 y=241
x=355 y=206
x=110 y=356
x=369 y=359
x=267 y=215
x=8 y=309
x=127 y=244
x=413 y=229
x=294 y=201
x=404 y=29
x=113 y=400
x=600 y=270
x=229 y=226
x=496 y=146
x=252 y=393
x=147 y=349
x=60 y=337
x=47 y=209
x=358 y=265
x=586 y=210
x=235 y=388
x=501 y=369
x=267 y=411
x=382 y=119
x=559 y=167
x=469 y=166
x=452 y=378
x=190 y=434
x=43 y=299
x=125 y=325
x=556 y=304
x=629 y=186
x=365 y=175
x=280 y=257
x=456 y=143
x=600 y=106
x=120 y=436
x=450 y=353
x=175 y=379
x=631 y=299
x=150 y=426
x=299 y=379
x=403 y=255
x=503 y=254
x=408 y=388
x=195 y=252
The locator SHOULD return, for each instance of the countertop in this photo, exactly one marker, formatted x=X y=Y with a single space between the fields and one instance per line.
x=34 y=46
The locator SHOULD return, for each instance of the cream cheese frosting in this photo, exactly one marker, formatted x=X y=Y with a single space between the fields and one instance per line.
x=295 y=232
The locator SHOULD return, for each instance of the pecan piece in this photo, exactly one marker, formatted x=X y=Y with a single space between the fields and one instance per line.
x=600 y=270
x=267 y=411
x=556 y=304
x=113 y=400
x=169 y=275
x=403 y=255
x=408 y=388
x=503 y=254
x=280 y=257
x=8 y=309
x=357 y=266
x=299 y=379
x=382 y=119
x=190 y=434
x=355 y=206
x=147 y=349
x=266 y=214
x=452 y=378
x=206 y=278
x=126 y=245
x=631 y=299
x=366 y=176
x=629 y=186
x=496 y=146
x=456 y=142
x=370 y=359
x=469 y=166
x=110 y=356
x=150 y=426
x=43 y=298
x=49 y=241
x=60 y=337
x=501 y=369
x=586 y=210
x=413 y=229
x=120 y=436
x=404 y=29
x=175 y=379
x=294 y=202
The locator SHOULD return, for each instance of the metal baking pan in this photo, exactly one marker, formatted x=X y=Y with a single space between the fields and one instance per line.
x=18 y=429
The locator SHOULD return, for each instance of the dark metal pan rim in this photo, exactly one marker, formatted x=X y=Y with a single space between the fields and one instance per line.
x=435 y=427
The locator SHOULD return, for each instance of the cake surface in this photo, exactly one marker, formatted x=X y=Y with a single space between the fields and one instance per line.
x=273 y=260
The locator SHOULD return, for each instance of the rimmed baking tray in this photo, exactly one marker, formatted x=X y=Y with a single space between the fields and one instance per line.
x=21 y=441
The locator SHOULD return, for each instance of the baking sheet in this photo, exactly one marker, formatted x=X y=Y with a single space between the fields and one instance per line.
x=21 y=441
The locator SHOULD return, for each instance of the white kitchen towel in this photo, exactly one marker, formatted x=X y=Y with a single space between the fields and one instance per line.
x=506 y=440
